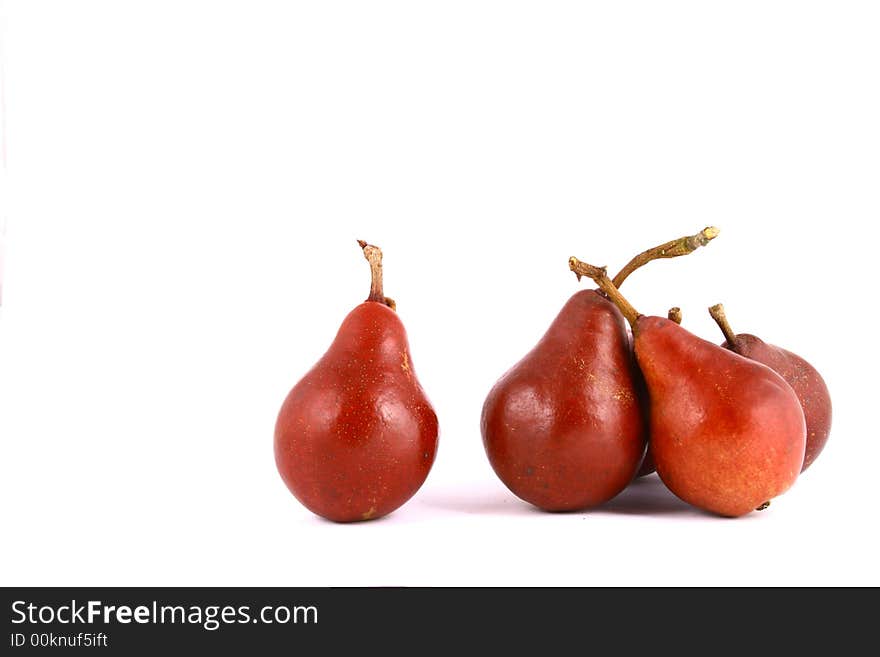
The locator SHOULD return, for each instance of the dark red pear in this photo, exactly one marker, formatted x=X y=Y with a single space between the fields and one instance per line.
x=727 y=433
x=356 y=436
x=564 y=428
x=808 y=384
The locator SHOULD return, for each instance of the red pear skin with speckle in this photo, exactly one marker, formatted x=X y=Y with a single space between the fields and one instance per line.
x=563 y=429
x=356 y=436
x=727 y=433
x=807 y=383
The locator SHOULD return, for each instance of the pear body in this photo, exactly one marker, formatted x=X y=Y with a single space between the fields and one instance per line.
x=563 y=428
x=807 y=383
x=356 y=436
x=727 y=433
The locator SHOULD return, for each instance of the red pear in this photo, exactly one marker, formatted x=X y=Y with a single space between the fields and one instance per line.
x=563 y=428
x=727 y=433
x=808 y=384
x=356 y=437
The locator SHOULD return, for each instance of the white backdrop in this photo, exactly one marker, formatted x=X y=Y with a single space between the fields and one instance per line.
x=186 y=184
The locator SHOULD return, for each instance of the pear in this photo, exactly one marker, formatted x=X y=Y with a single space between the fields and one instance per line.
x=356 y=437
x=563 y=428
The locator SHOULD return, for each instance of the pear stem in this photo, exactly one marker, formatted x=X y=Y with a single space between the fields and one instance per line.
x=717 y=312
x=672 y=249
x=600 y=276
x=675 y=314
x=373 y=254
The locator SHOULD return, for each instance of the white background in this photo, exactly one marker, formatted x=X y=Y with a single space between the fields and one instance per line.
x=186 y=181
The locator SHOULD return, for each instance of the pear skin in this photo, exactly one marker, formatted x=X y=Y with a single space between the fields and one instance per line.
x=564 y=427
x=357 y=436
x=807 y=383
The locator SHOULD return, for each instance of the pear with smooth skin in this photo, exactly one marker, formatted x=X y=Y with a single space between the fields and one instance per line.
x=356 y=436
x=564 y=428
